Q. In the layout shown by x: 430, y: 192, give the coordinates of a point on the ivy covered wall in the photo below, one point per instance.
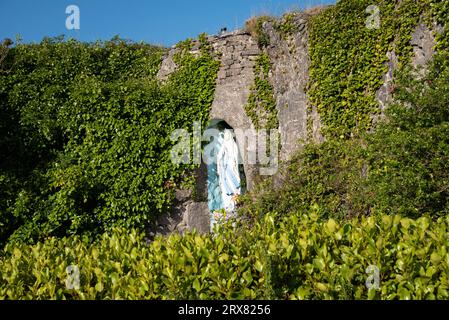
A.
x: 86, y: 126
x: 348, y: 54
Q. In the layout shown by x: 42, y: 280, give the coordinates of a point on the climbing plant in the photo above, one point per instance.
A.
x: 400, y: 168
x: 261, y: 106
x: 86, y: 132
x: 287, y: 25
x: 440, y: 14
x: 254, y: 26
x: 196, y: 76
x: 349, y: 56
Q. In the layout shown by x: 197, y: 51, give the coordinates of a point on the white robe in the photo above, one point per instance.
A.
x: 228, y: 171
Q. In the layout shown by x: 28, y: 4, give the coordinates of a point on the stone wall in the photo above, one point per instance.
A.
x: 238, y: 52
x: 289, y: 76
x: 236, y: 76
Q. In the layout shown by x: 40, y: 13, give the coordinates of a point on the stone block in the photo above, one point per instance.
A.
x: 251, y: 52
x: 227, y: 62
x: 236, y: 72
x: 197, y: 217
x: 221, y: 74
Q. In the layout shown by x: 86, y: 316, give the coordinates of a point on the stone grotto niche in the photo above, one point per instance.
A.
x: 226, y: 179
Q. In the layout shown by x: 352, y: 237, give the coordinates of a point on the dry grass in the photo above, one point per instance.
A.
x: 252, y: 25
x: 315, y: 10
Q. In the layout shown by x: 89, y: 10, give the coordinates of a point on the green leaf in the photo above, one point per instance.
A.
x: 99, y: 287
x: 331, y: 225
x: 259, y: 266
x: 435, y: 258
x: 196, y: 285
x: 319, y: 263
x: 404, y: 294
x: 248, y: 277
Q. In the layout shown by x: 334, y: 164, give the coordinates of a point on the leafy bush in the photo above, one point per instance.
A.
x: 87, y: 129
x: 408, y: 156
x: 292, y: 257
x: 401, y: 168
x: 287, y: 25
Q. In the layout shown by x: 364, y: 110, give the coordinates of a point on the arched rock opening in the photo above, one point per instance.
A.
x: 226, y: 179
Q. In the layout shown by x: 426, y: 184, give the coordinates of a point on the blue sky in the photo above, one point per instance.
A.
x: 163, y: 22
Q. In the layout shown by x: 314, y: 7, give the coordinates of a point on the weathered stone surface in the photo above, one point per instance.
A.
x: 201, y: 183
x: 232, y: 91
x: 197, y: 217
x: 289, y: 77
x: 251, y: 52
x: 383, y: 95
x: 186, y: 215
x: 227, y: 62
x: 172, y: 221
x: 168, y: 65
x: 423, y: 42
x: 221, y: 74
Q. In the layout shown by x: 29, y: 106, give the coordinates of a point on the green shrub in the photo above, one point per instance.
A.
x: 287, y: 25
x: 254, y: 26
x: 290, y: 257
x: 400, y: 168
x: 88, y: 127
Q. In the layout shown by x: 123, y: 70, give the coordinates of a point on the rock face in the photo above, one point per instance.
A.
x: 235, y: 78
x: 383, y: 95
x: 197, y: 217
x: 168, y: 66
x: 289, y: 76
x: 423, y: 43
x: 187, y: 215
x: 238, y: 51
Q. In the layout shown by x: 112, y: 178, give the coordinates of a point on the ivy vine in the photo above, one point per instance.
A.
x: 261, y: 106
x: 86, y: 131
x: 348, y: 59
